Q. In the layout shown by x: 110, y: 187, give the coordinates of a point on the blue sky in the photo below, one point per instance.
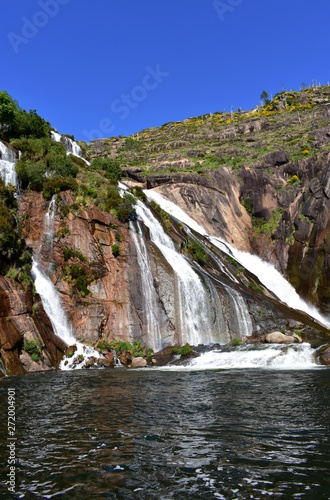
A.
x: 112, y: 67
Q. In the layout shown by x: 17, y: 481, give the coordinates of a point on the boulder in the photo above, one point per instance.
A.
x: 277, y: 158
x: 325, y: 356
x: 138, y: 362
x: 279, y: 338
x: 104, y: 363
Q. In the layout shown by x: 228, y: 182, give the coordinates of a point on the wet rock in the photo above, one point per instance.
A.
x: 253, y: 339
x: 278, y: 338
x: 325, y: 356
x: 104, y: 363
x: 111, y: 358
x: 70, y: 350
x: 138, y: 362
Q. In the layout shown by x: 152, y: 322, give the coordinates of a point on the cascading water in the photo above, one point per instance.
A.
x: 50, y: 297
x: 277, y: 357
x: 71, y: 147
x: 266, y: 273
x: 154, y: 339
x: 8, y: 162
x: 198, y: 318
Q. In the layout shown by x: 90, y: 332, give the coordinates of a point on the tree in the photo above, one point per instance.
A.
x: 264, y: 97
x: 7, y: 111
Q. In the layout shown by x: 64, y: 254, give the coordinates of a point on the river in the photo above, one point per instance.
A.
x: 160, y: 434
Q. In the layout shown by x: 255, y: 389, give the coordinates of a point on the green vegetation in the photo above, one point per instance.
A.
x: 255, y: 288
x: 185, y: 350
x: 236, y: 342
x: 69, y: 253
x: 110, y: 166
x: 261, y: 226
x: 15, y: 259
x: 120, y: 207
x: 116, y: 250
x: 32, y: 348
x: 121, y: 347
x: 79, y: 278
x: 197, y: 251
x: 16, y: 122
x: 165, y: 218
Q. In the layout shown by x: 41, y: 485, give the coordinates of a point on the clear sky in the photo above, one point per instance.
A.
x: 111, y: 67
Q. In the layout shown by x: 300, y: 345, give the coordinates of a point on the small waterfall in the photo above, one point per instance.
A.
x: 149, y: 293
x: 266, y: 272
x: 50, y: 297
x: 46, y: 249
x: 8, y: 162
x: 194, y: 309
x: 71, y: 147
x: 52, y: 304
x: 242, y: 316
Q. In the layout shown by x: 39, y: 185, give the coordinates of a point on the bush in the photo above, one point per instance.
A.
x: 116, y: 250
x: 236, y: 342
x: 58, y: 183
x: 183, y: 351
x: 110, y: 166
x: 197, y: 251
x: 32, y: 348
x: 126, y: 210
x: 119, y: 237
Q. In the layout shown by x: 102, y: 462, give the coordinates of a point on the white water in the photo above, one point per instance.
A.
x: 52, y: 304
x: 279, y: 357
x: 242, y: 314
x: 7, y: 165
x: 71, y: 147
x: 194, y: 307
x: 50, y: 297
x: 154, y: 339
x: 266, y: 272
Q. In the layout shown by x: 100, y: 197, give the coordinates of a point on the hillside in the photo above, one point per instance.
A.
x: 258, y: 178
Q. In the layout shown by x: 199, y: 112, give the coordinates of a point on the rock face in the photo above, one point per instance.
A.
x: 213, y: 202
x: 19, y: 320
x: 106, y: 312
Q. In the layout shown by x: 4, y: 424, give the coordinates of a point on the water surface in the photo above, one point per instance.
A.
x: 165, y: 434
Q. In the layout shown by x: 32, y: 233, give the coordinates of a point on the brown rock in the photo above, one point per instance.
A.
x: 139, y: 362
x: 325, y: 356
x: 278, y: 338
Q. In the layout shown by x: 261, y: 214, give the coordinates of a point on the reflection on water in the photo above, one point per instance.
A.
x: 152, y: 434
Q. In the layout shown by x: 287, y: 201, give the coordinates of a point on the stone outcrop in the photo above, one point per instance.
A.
x: 21, y: 320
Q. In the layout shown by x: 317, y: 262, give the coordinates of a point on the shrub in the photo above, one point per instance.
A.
x: 236, y: 342
x: 119, y: 237
x: 197, y: 251
x: 58, y: 183
x: 183, y: 350
x: 293, y: 180
x: 110, y: 166
x: 116, y: 250
x: 32, y: 348
x: 126, y: 210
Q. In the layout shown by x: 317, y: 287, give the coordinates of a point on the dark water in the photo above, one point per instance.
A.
x: 151, y: 434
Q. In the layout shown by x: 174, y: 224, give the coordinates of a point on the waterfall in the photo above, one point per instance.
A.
x: 50, y: 297
x: 52, y: 304
x: 7, y: 165
x: 149, y: 293
x: 266, y: 272
x: 197, y: 317
x: 274, y: 357
x: 71, y: 147
x: 242, y: 316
